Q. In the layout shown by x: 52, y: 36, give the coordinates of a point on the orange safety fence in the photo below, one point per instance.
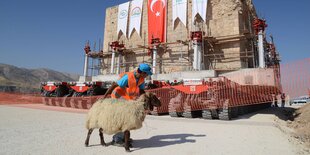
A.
x: 71, y: 102
x: 295, y: 78
x: 20, y: 98
x: 220, y: 92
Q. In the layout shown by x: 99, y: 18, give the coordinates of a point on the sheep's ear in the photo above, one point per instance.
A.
x: 147, y: 97
x: 156, y: 101
x: 151, y: 95
x: 142, y: 97
x: 148, y: 94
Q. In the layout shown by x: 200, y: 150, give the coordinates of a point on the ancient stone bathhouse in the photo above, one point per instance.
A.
x: 228, y: 40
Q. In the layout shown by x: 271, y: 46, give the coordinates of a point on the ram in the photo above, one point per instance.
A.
x: 111, y: 116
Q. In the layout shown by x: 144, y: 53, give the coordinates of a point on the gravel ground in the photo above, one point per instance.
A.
x: 38, y: 129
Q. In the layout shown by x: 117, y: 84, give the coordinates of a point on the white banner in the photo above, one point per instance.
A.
x: 192, y: 82
x: 179, y: 10
x: 199, y: 7
x: 135, y: 16
x: 122, y: 18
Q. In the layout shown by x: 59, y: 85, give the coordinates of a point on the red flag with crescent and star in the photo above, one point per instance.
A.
x: 157, y: 19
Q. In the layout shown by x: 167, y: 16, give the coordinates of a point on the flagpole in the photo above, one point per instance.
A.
x: 166, y: 21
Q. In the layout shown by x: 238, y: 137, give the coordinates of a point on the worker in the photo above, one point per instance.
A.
x: 282, y: 100
x: 129, y: 86
x: 275, y: 104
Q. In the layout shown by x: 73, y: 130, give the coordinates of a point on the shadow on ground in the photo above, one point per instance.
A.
x: 164, y: 140
x: 283, y: 113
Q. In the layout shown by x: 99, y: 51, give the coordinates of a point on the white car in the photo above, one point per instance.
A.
x: 301, y: 100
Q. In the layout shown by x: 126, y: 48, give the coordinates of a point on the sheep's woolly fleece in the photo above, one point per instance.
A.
x: 116, y: 115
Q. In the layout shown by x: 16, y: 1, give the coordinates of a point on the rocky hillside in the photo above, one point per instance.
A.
x: 28, y: 80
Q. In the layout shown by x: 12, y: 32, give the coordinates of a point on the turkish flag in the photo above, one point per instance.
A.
x: 157, y: 19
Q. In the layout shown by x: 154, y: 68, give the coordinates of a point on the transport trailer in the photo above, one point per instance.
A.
x: 226, y: 96
x: 54, y: 89
x: 89, y: 88
x: 216, y: 98
x: 75, y: 89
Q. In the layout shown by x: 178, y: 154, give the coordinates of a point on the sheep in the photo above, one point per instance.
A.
x: 117, y: 115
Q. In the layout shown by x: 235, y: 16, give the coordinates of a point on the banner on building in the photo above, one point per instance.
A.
x: 199, y: 7
x: 122, y: 18
x: 135, y: 16
x: 157, y: 20
x: 179, y: 10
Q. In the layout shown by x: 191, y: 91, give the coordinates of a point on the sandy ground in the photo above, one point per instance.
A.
x: 297, y: 123
x: 38, y: 129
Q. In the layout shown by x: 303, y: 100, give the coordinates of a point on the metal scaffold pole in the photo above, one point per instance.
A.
x: 116, y: 47
x: 154, y: 59
x: 119, y: 61
x: 86, y: 65
x: 87, y: 50
x: 112, y: 61
x: 261, y: 52
x: 259, y: 27
x: 155, y: 42
x: 197, y: 44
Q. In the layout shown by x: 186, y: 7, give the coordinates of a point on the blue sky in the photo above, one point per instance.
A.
x: 52, y: 33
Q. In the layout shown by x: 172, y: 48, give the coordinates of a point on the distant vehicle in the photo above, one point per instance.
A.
x: 300, y: 100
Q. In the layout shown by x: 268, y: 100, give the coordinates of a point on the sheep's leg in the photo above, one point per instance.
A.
x: 88, y: 135
x: 127, y: 136
x: 101, y: 137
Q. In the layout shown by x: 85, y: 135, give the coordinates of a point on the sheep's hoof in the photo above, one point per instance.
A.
x: 104, y: 144
x: 117, y: 144
x: 128, y: 150
x: 86, y: 143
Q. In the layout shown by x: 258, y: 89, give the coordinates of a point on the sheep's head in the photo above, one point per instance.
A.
x: 150, y: 100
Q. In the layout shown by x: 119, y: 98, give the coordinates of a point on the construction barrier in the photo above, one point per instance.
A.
x: 20, y: 98
x: 71, y: 102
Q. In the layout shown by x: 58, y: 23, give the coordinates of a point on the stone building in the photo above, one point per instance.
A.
x: 228, y: 39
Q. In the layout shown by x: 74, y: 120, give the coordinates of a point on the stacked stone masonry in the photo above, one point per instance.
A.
x: 224, y: 47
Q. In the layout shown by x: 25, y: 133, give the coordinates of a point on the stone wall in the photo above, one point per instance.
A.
x: 227, y: 21
x: 252, y: 76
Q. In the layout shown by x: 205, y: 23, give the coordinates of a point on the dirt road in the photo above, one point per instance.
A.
x: 38, y: 129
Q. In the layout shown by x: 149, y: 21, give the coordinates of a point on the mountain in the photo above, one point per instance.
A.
x: 28, y: 80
